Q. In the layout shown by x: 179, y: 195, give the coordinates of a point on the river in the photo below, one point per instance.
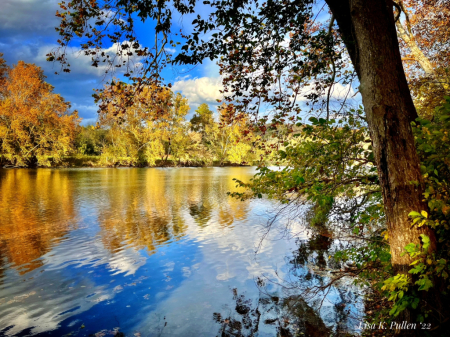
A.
x: 151, y: 252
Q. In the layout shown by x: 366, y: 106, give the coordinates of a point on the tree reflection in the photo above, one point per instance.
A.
x: 136, y: 210
x: 36, y: 211
x: 290, y: 316
x: 144, y: 208
x: 147, y: 208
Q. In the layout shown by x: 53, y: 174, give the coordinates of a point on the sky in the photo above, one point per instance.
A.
x: 27, y: 33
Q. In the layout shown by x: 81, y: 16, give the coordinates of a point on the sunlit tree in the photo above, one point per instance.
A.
x: 36, y: 125
x: 151, y: 128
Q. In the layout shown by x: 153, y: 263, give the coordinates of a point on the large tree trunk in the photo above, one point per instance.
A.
x: 368, y: 30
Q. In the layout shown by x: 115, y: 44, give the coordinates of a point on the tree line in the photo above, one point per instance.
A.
x: 37, y: 128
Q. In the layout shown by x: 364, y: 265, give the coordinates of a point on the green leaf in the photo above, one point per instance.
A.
x: 426, y: 241
x: 413, y: 214
x: 425, y: 283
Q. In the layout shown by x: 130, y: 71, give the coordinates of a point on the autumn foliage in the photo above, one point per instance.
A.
x: 147, y: 130
x: 152, y: 130
x: 35, y: 123
x: 423, y: 28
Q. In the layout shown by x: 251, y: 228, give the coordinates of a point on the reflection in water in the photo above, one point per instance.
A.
x: 36, y: 211
x: 143, y: 251
x: 136, y: 211
x: 290, y: 316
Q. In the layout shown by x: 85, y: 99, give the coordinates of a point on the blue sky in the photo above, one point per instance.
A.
x: 27, y: 33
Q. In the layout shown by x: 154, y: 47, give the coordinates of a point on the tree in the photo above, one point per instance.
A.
x: 258, y: 58
x: 202, y: 118
x: 35, y: 124
x: 3, y: 73
x: 172, y: 125
x: 90, y: 141
x: 422, y: 27
x: 230, y: 139
x: 367, y: 28
x: 150, y: 128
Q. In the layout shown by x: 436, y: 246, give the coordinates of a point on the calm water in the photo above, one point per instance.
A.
x: 146, y: 252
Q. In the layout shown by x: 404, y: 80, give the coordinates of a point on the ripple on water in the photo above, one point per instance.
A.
x: 131, y: 248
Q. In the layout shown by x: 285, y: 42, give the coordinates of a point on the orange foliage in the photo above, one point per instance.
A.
x: 35, y: 124
x: 3, y: 71
x: 424, y: 32
x: 429, y: 21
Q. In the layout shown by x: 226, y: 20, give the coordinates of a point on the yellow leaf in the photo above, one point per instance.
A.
x: 424, y: 214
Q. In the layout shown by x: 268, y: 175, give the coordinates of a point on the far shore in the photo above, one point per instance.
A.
x: 94, y: 162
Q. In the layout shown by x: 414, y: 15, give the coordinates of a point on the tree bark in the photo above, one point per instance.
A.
x: 368, y: 30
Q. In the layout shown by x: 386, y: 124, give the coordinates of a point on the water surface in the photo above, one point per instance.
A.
x: 144, y: 252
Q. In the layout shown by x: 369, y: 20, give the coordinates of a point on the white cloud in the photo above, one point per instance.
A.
x: 82, y: 64
x: 171, y: 50
x: 339, y: 91
x: 200, y: 90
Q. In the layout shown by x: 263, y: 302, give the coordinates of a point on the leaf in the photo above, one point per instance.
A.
x: 425, y: 241
x: 424, y: 214
x: 413, y: 214
x: 424, y: 283
x: 410, y: 247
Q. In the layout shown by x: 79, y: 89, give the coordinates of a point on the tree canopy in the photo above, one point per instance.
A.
x: 36, y: 125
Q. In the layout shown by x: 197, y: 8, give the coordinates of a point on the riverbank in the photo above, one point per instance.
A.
x: 82, y: 161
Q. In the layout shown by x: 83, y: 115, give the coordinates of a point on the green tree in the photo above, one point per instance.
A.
x: 90, y: 140
x: 202, y: 119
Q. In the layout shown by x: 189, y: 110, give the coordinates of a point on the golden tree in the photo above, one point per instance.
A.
x: 35, y: 123
x: 231, y: 138
x: 423, y: 28
x: 151, y: 126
